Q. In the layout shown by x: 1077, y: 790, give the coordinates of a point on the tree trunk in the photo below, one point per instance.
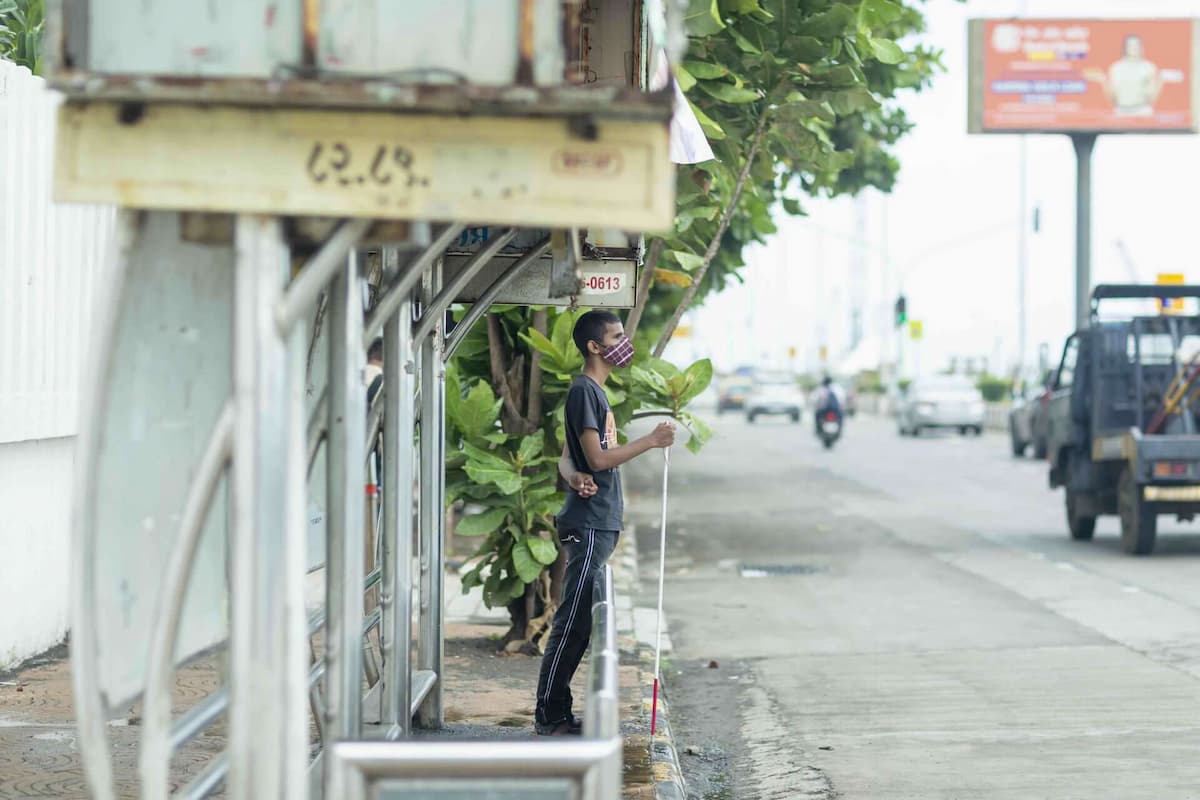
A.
x: 643, y: 290
x: 715, y: 245
x: 498, y: 361
x: 533, y: 414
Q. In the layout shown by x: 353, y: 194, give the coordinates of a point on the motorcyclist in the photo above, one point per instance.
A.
x: 829, y: 401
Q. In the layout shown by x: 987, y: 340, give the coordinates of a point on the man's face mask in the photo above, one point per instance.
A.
x: 620, y: 354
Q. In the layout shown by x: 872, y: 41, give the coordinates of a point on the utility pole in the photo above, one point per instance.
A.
x: 1023, y: 238
x: 1023, y: 255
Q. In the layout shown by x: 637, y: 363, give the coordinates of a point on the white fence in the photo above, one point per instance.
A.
x: 51, y: 257
x: 52, y: 260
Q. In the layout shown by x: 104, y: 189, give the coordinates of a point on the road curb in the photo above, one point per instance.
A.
x: 663, y: 754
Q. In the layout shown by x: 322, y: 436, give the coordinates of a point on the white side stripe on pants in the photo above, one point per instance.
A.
x: 574, y: 607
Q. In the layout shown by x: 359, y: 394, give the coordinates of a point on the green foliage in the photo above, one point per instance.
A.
x: 509, y: 476
x: 994, y: 389
x: 870, y: 382
x: 823, y: 76
x: 22, y: 23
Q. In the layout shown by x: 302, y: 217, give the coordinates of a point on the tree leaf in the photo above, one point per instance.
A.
x: 481, y: 524
x: 505, y: 480
x: 684, y: 77
x: 561, y: 335
x: 705, y: 70
x: 527, y: 567
x: 689, y: 261
x: 697, y: 376
x: 739, y: 6
x: 531, y: 447
x: 744, y: 44
x: 727, y: 93
x: 711, y: 129
x: 887, y: 51
x: 476, y: 414
x: 703, y: 18
x: 514, y: 587
x: 699, y: 429
x: 485, y: 458
x: 671, y: 277
x: 792, y: 206
x: 544, y: 551
x: 535, y: 339
x: 838, y: 20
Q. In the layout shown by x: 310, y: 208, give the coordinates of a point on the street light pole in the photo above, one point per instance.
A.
x: 1023, y: 255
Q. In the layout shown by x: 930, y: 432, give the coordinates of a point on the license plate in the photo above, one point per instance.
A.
x: 830, y: 427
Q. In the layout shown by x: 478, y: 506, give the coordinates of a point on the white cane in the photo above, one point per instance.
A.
x: 662, y: 572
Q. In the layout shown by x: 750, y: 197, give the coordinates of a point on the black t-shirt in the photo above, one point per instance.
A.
x: 587, y: 407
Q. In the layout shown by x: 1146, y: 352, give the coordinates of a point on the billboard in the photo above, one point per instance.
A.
x: 1083, y: 75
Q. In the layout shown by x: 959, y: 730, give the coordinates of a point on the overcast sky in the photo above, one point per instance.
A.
x: 949, y: 232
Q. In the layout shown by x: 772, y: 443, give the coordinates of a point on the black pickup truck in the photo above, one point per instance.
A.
x: 1122, y: 434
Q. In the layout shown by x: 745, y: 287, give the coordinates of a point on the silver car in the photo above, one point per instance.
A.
x: 942, y: 401
x: 775, y: 393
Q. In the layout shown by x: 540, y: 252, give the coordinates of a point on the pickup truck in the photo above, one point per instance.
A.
x: 1122, y: 430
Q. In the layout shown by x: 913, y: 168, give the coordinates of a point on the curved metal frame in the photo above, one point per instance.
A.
x: 475, y: 265
x: 89, y: 705
x: 315, y: 276
x: 480, y: 306
x: 155, y: 757
x: 407, y: 281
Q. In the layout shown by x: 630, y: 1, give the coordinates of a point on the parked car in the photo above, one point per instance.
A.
x: 775, y: 394
x: 732, y: 394
x: 941, y: 401
x: 1028, y: 418
x: 851, y: 402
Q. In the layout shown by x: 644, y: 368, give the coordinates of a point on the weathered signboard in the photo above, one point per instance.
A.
x: 531, y: 172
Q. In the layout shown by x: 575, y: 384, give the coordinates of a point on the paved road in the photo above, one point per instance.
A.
x: 945, y: 638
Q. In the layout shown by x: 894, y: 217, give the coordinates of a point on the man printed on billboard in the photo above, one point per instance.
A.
x: 1132, y: 83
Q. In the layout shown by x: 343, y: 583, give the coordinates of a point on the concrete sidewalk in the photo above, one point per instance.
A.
x: 489, y: 695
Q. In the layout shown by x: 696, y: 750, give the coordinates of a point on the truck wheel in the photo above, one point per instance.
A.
x: 1082, y: 526
x: 1139, y: 522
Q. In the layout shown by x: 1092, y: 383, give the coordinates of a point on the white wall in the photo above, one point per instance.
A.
x: 35, y: 511
x: 52, y: 258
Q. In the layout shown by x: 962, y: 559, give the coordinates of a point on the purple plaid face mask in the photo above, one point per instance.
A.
x: 620, y: 354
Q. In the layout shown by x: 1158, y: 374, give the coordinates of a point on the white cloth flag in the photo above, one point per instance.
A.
x: 688, y: 144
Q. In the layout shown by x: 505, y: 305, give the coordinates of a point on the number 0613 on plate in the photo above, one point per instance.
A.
x: 500, y: 170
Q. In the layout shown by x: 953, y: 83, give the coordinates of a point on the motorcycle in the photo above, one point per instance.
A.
x: 829, y: 428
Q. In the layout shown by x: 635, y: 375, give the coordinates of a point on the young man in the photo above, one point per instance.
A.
x: 590, y: 521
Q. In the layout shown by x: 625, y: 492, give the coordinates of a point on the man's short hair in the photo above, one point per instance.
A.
x: 591, y: 327
x: 376, y: 351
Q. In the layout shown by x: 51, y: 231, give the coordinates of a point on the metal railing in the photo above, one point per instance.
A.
x: 588, y: 768
x: 265, y: 459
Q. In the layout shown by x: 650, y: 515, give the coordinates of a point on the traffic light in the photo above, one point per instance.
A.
x: 901, y: 311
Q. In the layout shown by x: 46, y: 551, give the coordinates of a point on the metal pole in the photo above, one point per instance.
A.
x: 268, y: 714
x: 1022, y: 254
x: 433, y: 388
x: 345, y: 454
x: 1084, y: 144
x: 399, y: 390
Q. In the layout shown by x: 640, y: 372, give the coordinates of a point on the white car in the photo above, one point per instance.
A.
x: 775, y: 395
x: 942, y: 401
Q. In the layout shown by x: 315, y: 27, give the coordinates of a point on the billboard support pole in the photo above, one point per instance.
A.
x: 1084, y: 144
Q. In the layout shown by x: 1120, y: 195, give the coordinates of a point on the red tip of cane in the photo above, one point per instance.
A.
x: 371, y: 488
x: 654, y: 709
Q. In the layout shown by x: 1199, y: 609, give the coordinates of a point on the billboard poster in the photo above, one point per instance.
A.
x: 1064, y: 75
